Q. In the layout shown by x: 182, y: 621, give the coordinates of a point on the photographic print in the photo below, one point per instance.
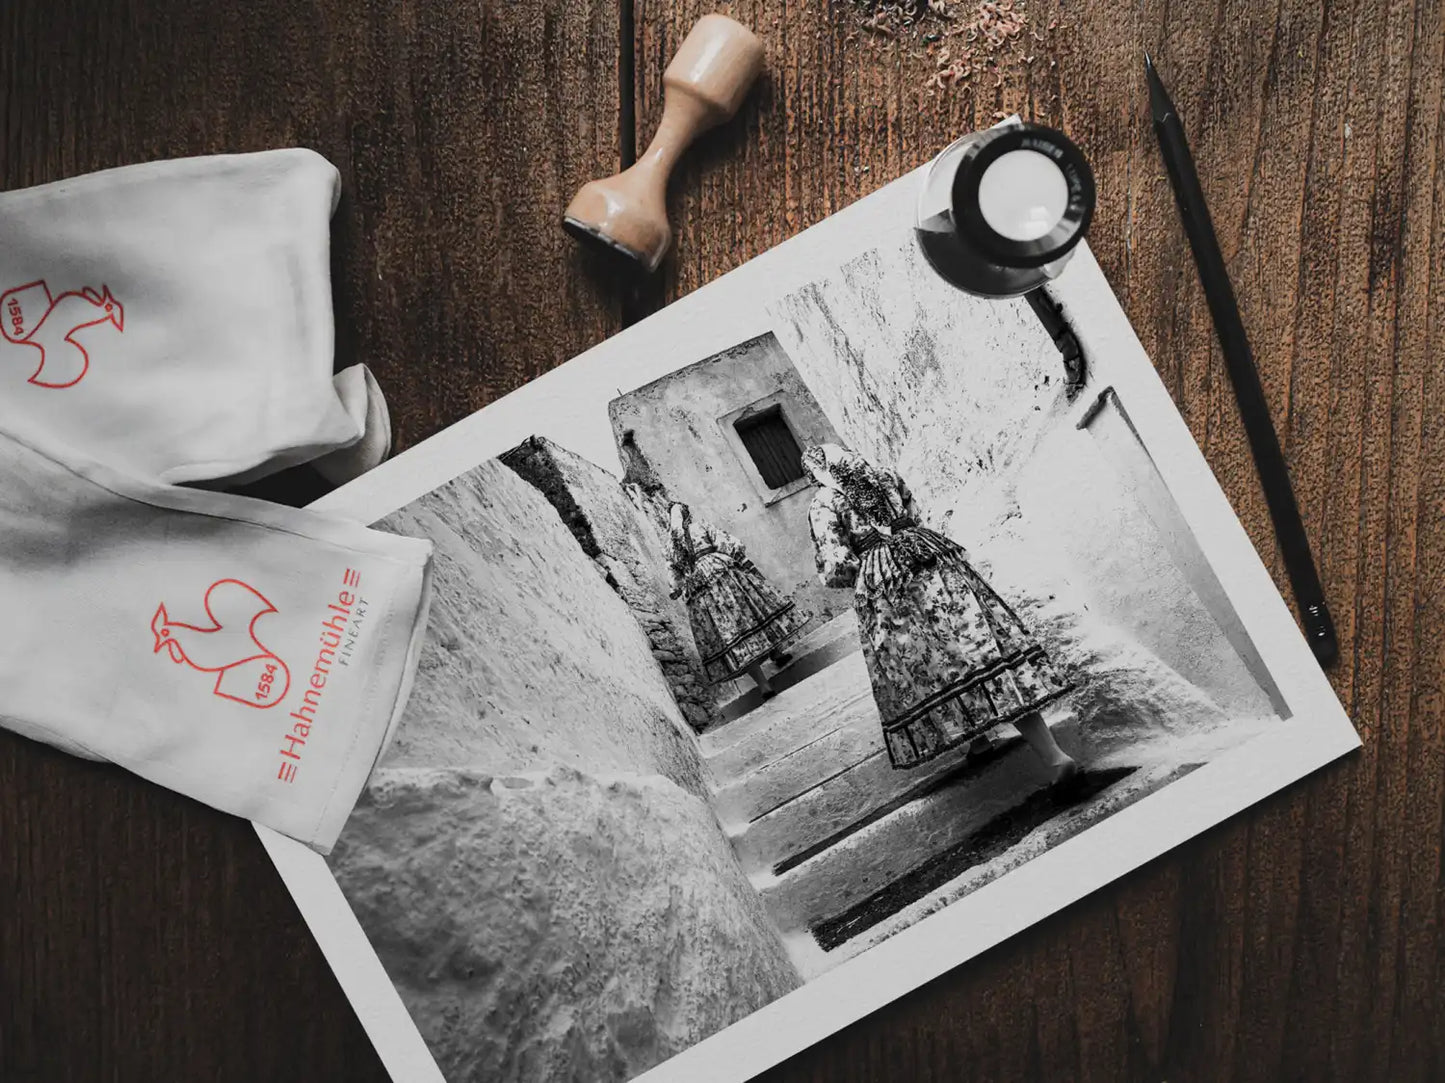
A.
x: 794, y: 647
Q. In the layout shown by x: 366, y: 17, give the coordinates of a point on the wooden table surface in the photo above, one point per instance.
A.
x: 144, y: 937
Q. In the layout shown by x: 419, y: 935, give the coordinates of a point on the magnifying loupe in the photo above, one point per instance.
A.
x: 1002, y: 209
x: 1001, y: 212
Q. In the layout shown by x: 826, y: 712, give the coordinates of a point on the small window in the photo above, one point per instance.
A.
x: 772, y: 447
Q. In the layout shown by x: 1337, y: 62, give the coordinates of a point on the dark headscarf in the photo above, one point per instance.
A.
x: 868, y: 488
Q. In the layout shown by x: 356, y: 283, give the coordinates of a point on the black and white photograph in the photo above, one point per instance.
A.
x: 840, y: 625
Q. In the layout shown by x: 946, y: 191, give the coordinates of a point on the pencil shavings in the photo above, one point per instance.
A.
x: 962, y: 41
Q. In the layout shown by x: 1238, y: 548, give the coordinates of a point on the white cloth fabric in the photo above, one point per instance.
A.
x: 250, y: 655
x: 361, y: 395
x: 172, y: 323
x: 175, y: 318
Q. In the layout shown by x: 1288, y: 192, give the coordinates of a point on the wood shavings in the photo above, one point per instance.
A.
x: 965, y: 42
x: 987, y: 34
x: 892, y: 18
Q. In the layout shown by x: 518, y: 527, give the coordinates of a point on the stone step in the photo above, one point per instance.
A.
x: 1045, y: 817
x: 814, y: 655
x: 814, y: 765
x: 861, y: 862
x: 830, y: 633
x: 851, y: 798
x: 838, y: 697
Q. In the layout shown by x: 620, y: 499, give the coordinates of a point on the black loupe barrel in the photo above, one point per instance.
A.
x: 1002, y: 209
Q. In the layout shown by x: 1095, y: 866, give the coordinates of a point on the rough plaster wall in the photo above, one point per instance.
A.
x: 679, y: 443
x: 1101, y: 538
x: 556, y: 925
x: 999, y: 466
x: 530, y: 659
x: 525, y: 854
x: 624, y: 541
x: 948, y: 389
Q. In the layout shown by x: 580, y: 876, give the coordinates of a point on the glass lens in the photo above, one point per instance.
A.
x: 1023, y: 195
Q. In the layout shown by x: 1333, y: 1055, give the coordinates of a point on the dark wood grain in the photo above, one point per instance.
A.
x: 144, y: 937
x: 1300, y: 941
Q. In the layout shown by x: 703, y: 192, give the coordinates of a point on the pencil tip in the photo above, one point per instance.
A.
x: 1159, y: 104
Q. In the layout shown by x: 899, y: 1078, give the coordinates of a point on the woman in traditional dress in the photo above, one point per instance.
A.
x: 738, y: 619
x: 948, y: 659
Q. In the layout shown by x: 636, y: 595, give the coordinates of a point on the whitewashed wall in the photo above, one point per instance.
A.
x: 964, y: 397
x: 534, y: 860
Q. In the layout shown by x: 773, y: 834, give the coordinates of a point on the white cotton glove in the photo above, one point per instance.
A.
x: 362, y: 398
x: 174, y: 319
x: 252, y: 656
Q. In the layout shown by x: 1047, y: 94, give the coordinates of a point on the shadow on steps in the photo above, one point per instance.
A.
x: 795, y: 672
x: 990, y: 840
x: 965, y: 770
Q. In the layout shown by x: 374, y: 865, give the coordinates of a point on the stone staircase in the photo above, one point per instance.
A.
x: 819, y: 819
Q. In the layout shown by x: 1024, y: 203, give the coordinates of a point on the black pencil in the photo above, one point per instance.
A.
x: 1268, y: 459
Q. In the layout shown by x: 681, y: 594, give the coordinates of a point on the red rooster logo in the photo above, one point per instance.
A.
x: 245, y: 670
x: 29, y: 316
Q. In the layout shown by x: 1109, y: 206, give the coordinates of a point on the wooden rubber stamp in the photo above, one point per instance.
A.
x: 703, y: 86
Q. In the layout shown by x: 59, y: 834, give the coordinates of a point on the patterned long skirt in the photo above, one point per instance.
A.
x: 948, y: 658
x: 737, y: 618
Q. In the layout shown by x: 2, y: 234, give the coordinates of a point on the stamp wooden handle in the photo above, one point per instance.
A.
x: 703, y: 86
x: 716, y: 64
